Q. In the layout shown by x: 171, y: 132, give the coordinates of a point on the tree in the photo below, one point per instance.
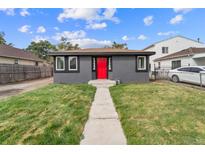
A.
x: 119, y: 46
x: 66, y: 45
x: 3, y: 41
x: 41, y: 48
x: 107, y: 46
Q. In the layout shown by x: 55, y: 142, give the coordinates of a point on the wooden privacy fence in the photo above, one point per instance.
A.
x: 14, y: 72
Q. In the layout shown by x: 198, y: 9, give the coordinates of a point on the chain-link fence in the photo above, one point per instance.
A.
x: 163, y: 74
x: 13, y: 72
x: 160, y: 74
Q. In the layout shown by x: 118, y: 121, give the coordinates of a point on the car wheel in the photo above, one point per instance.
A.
x: 175, y: 78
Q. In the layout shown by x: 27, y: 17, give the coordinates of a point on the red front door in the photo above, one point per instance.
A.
x: 101, y: 68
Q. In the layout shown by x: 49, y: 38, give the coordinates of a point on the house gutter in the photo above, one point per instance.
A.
x: 100, y: 53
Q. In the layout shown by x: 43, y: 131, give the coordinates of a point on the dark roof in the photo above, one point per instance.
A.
x: 182, y: 53
x: 102, y: 51
x: 11, y: 52
x: 169, y: 39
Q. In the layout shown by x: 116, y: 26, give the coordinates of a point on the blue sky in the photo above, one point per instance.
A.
x: 99, y: 27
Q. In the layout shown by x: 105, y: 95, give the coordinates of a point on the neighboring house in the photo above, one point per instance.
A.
x: 78, y: 66
x: 11, y: 55
x: 169, y: 46
x: 186, y: 57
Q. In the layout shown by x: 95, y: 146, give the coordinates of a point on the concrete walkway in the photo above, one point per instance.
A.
x: 103, y: 126
x: 13, y: 89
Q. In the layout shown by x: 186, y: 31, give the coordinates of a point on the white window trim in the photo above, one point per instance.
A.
x: 145, y: 63
x: 57, y: 69
x: 109, y: 63
x: 94, y: 63
x: 69, y: 58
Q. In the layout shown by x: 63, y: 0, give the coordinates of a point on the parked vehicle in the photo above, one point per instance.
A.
x: 189, y: 74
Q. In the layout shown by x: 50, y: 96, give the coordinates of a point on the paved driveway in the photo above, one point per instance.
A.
x: 16, y: 88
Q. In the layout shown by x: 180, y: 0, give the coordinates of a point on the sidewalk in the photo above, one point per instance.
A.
x: 103, y: 126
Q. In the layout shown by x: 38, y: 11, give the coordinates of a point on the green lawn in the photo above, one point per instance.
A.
x: 55, y: 114
x: 161, y: 113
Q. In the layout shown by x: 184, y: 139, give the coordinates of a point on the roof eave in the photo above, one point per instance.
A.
x: 99, y: 53
x: 21, y: 58
x: 171, y: 38
x: 148, y: 47
x: 174, y: 57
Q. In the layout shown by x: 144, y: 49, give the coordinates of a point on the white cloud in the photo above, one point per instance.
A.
x: 182, y: 10
x: 88, y: 14
x: 24, y: 29
x: 125, y: 38
x: 40, y: 38
x: 24, y: 12
x: 41, y: 29
x: 176, y: 20
x: 142, y: 37
x: 56, y: 28
x: 78, y: 13
x: 8, y: 11
x: 70, y: 35
x: 79, y: 37
x: 148, y: 20
x: 166, y: 33
x: 109, y: 13
x: 96, y: 25
x: 91, y: 43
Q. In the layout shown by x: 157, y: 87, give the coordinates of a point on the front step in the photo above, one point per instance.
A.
x: 102, y: 83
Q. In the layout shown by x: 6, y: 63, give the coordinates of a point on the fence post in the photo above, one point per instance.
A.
x: 155, y: 74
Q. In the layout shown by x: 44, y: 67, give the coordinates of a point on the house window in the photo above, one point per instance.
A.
x: 73, y: 63
x: 159, y: 65
x: 16, y: 61
x: 60, y: 63
x: 36, y: 63
x: 110, y: 63
x: 164, y: 49
x: 176, y: 64
x: 93, y: 63
x: 141, y: 63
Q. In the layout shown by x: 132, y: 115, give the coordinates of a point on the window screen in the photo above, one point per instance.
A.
x: 176, y: 64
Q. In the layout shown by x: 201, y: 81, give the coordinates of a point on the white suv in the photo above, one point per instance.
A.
x: 190, y: 74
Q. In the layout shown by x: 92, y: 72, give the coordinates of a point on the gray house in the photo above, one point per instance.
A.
x: 80, y: 66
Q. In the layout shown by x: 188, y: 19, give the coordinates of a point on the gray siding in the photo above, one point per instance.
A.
x: 124, y: 69
x: 93, y: 75
x: 83, y: 76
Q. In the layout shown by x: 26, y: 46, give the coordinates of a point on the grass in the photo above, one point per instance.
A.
x: 161, y: 113
x: 55, y: 114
